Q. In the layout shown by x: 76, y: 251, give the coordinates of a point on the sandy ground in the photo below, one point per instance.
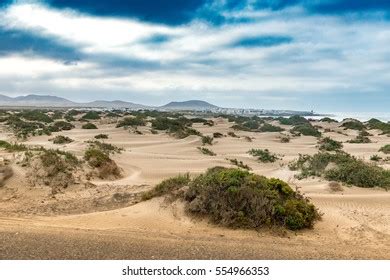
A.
x: 105, y: 221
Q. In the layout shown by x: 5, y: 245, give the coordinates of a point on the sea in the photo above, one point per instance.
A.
x: 361, y: 116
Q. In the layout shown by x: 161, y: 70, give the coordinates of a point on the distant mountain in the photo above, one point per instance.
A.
x: 33, y: 100
x: 189, y: 105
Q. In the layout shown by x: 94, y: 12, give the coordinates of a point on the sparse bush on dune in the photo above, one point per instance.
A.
x: 217, y: 135
x: 101, y: 136
x: 206, y: 151
x: 305, y: 129
x: 328, y: 120
x: 377, y: 124
x: 361, y: 138
x: 263, y: 155
x: 342, y: 167
x: 207, y: 140
x: 61, y: 125
x: 180, y: 127
x: 60, y: 139
x: 52, y: 168
x: 89, y: 126
x: 99, y: 159
x: 239, y: 164
x: 14, y: 147
x: 354, y: 125
x: 270, y: 128
x: 385, y: 149
x: 335, y: 187
x: 35, y: 115
x: 6, y: 172
x: 137, y: 121
x: 105, y: 147
x: 238, y: 199
x: 232, y: 134
x: 285, y: 139
x: 375, y: 158
x: 328, y: 144
x: 293, y: 120
x: 92, y: 115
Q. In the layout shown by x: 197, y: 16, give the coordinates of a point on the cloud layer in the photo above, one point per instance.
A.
x: 263, y: 54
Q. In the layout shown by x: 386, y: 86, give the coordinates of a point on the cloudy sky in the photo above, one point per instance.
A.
x: 325, y: 55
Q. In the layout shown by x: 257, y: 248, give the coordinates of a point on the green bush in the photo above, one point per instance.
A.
x: 263, y: 155
x: 107, y: 148
x: 305, y: 129
x: 285, y: 139
x: 236, y: 198
x: 353, y: 124
x: 270, y: 128
x: 206, y: 151
x: 239, y: 164
x: 328, y: 144
x: 207, y: 140
x: 167, y: 186
x: 377, y: 124
x: 60, y: 139
x: 328, y: 120
x: 345, y: 168
x: 61, y: 125
x: 232, y: 134
x: 137, y: 121
x: 12, y: 147
x: 96, y: 157
x: 91, y: 115
x: 361, y: 138
x: 101, y: 136
x: 89, y: 126
x: 35, y: 115
x: 293, y: 120
x: 217, y: 135
x: 385, y: 149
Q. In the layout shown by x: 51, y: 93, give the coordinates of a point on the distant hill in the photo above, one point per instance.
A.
x: 189, y: 105
x: 33, y: 100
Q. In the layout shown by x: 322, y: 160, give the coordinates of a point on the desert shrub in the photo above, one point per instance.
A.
x: 198, y: 120
x: 91, y: 115
x: 360, y: 139
x: 270, y: 128
x: 353, y: 124
x: 209, y: 123
x: 101, y: 136
x: 89, y: 126
x: 207, y: 140
x: 236, y: 198
x: 14, y: 147
x: 305, y: 129
x: 61, y: 125
x: 232, y: 134
x: 137, y: 121
x: 168, y: 186
x: 263, y: 155
x: 96, y: 157
x: 293, y: 120
x: 57, y: 115
x: 217, y: 135
x: 248, y: 139
x: 239, y: 164
x: 60, y: 139
x: 342, y: 167
x: 180, y: 127
x: 335, y: 187
x: 285, y: 139
x: 206, y: 151
x: 385, y: 149
x: 377, y: 124
x: 6, y: 172
x: 328, y: 144
x: 105, y: 147
x: 328, y: 120
x: 375, y: 158
x: 52, y: 168
x: 153, y: 131
x: 35, y: 115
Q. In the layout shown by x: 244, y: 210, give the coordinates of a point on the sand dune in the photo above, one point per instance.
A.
x: 356, y: 221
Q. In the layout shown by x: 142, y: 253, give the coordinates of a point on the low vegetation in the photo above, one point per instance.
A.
x: 263, y: 155
x: 207, y: 140
x: 92, y: 115
x: 101, y: 136
x: 206, y: 151
x: 238, y: 199
x: 361, y: 138
x: 328, y: 120
x: 353, y: 124
x: 60, y: 139
x: 342, y: 167
x: 134, y: 122
x: 217, y: 135
x: 305, y: 129
x: 14, y: 147
x: 101, y: 161
x: 239, y: 164
x: 328, y: 144
x: 89, y: 126
x: 385, y: 149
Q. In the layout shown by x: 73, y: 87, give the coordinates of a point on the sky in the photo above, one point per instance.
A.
x: 326, y: 56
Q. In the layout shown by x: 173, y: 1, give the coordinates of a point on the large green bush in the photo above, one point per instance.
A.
x: 328, y: 144
x: 263, y: 155
x: 305, y: 129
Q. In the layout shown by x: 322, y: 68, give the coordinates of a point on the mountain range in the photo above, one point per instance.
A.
x: 33, y: 100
